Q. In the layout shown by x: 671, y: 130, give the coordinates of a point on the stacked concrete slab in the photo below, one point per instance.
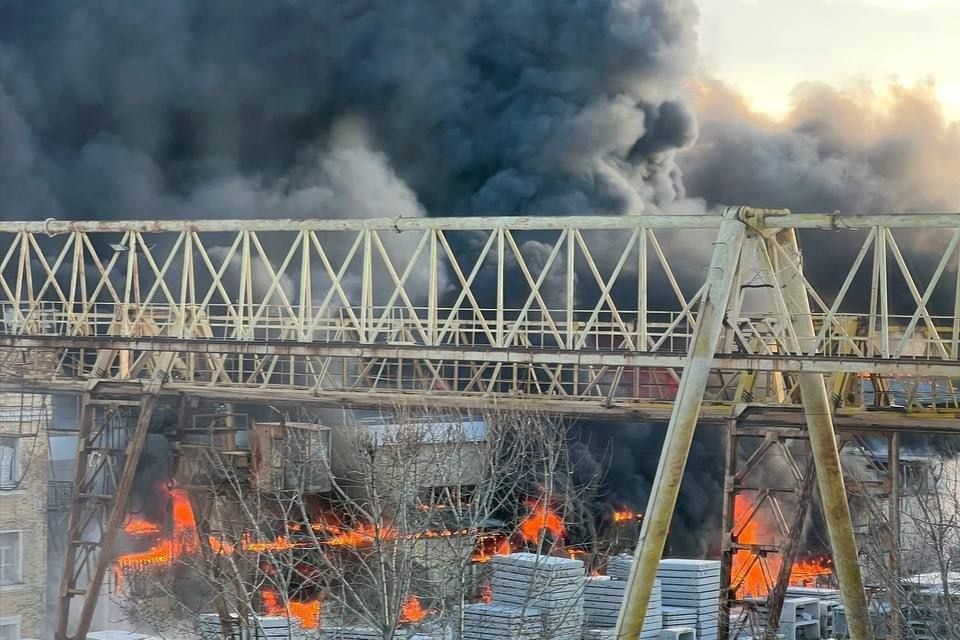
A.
x: 799, y: 617
x: 209, y: 628
x: 492, y: 621
x: 829, y: 603
x: 679, y: 616
x: 552, y: 586
x: 618, y: 567
x: 693, y: 584
x: 678, y: 633
x: 603, y: 596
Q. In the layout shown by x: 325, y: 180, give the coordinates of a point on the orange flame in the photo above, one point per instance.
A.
x: 140, y: 526
x: 183, y: 541
x: 412, y: 610
x: 620, y: 517
x: 803, y: 572
x: 806, y: 570
x: 282, y: 543
x: 307, y: 612
x: 362, y: 536
x: 541, y: 520
x: 492, y: 544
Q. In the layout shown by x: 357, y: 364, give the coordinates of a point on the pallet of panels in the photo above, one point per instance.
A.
x: 693, y: 584
x: 552, y: 585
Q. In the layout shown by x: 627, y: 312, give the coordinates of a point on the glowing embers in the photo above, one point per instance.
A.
x: 624, y: 516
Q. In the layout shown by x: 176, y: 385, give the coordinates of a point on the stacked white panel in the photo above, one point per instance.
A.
x: 553, y: 586
x: 491, y: 621
x: 693, y: 584
x: 603, y: 597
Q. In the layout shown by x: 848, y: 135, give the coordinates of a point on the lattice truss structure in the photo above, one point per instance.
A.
x: 580, y: 314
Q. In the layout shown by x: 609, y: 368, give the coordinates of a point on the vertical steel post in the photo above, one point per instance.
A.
x: 117, y: 512
x: 788, y: 554
x: 893, y: 474
x: 823, y: 443
x: 728, y: 521
x: 683, y: 421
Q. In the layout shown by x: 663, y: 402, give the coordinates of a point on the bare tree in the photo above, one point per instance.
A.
x: 923, y: 584
x: 377, y: 523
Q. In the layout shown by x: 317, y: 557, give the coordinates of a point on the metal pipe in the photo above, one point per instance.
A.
x: 823, y: 443
x: 775, y: 219
x: 683, y: 421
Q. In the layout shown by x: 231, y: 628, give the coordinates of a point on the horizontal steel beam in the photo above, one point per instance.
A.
x: 775, y: 220
x: 903, y: 366
x: 856, y: 420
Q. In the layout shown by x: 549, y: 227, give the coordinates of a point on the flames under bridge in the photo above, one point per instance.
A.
x: 825, y: 324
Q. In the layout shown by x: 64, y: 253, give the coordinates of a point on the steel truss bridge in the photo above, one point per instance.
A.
x: 679, y: 318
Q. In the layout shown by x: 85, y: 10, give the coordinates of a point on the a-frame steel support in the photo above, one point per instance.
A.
x: 779, y: 258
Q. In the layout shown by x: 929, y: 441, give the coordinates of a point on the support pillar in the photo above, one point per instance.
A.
x: 683, y: 421
x: 823, y: 442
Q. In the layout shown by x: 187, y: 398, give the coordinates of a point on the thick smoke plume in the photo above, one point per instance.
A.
x: 215, y: 109
x: 862, y: 150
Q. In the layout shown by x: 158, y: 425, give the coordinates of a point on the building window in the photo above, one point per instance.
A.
x: 11, y: 560
x: 10, y: 628
x: 9, y: 461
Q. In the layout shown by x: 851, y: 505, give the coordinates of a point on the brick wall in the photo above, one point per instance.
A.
x: 24, y: 508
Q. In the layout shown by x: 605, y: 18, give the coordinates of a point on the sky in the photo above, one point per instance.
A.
x: 764, y: 48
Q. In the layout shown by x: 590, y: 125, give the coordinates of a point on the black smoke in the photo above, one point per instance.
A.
x: 180, y: 109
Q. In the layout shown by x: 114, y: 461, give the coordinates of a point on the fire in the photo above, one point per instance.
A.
x: 282, y: 543
x: 541, y: 519
x: 183, y: 541
x: 620, y: 517
x: 804, y: 571
x: 754, y: 583
x: 412, y: 610
x: 307, y: 612
x: 492, y: 544
x: 362, y: 536
x: 140, y: 526
x: 158, y: 555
